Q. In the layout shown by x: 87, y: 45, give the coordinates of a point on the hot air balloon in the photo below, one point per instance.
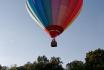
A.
x: 54, y: 16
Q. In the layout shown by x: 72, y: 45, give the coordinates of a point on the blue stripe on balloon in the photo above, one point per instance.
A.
x: 31, y: 3
x: 38, y: 9
x: 47, y: 10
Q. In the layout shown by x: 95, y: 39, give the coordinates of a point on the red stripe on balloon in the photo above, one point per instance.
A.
x: 73, y: 14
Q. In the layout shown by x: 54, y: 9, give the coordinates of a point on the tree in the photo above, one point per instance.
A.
x: 45, y: 64
x: 55, y: 63
x: 41, y: 63
x: 95, y: 60
x: 75, y: 65
x: 56, y: 60
x: 0, y: 67
x: 14, y: 67
x: 21, y: 68
x: 4, y: 68
x: 28, y: 66
x: 42, y: 59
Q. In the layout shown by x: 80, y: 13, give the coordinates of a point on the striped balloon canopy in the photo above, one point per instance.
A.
x: 54, y: 16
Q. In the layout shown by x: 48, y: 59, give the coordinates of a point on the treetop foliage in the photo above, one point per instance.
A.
x: 94, y: 60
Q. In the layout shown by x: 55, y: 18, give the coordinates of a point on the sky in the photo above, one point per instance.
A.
x: 21, y: 40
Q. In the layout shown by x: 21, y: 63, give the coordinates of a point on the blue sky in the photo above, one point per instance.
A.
x: 21, y: 40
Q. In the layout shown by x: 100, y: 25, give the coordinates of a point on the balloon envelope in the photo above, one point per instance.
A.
x: 54, y: 16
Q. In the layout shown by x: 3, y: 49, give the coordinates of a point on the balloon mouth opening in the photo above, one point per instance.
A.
x: 54, y: 30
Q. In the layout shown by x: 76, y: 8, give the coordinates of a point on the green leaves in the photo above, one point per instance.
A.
x: 94, y: 61
x: 75, y: 65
